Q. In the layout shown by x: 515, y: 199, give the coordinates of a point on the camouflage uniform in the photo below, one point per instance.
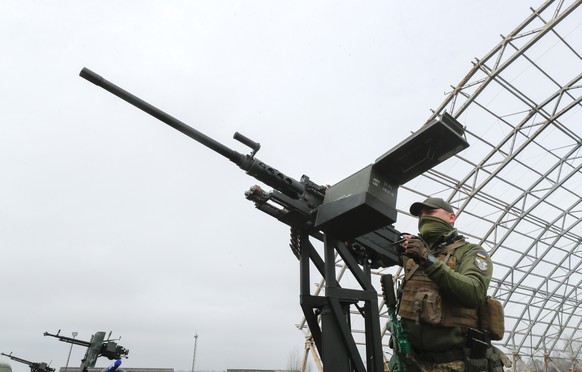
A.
x: 459, y: 273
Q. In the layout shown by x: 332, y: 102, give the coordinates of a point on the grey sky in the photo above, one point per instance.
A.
x: 112, y: 221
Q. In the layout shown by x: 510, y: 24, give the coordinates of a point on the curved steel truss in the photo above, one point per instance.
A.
x: 517, y: 187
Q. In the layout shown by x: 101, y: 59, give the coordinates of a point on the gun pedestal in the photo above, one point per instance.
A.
x: 335, y: 355
x: 334, y: 340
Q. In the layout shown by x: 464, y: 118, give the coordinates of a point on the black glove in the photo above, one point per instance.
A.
x: 417, y: 250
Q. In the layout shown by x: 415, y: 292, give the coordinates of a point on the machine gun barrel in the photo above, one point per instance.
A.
x: 16, y: 359
x: 161, y: 115
x: 248, y: 163
x: 69, y: 340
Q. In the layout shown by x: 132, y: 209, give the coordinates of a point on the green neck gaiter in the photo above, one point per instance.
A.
x: 434, y: 230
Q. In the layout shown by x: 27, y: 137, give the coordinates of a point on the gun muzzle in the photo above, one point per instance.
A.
x: 91, y: 76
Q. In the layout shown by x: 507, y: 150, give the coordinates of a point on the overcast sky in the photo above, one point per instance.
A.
x: 112, y: 221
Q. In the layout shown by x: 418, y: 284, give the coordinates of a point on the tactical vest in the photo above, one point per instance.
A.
x: 421, y: 300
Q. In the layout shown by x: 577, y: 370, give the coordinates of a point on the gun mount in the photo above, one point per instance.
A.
x: 96, y: 348
x: 34, y: 366
x: 354, y: 218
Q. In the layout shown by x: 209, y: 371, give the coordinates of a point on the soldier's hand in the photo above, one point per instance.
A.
x: 417, y: 250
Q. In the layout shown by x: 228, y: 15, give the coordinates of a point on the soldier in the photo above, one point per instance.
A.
x: 444, y: 288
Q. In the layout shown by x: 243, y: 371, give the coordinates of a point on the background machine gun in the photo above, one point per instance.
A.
x: 353, y: 219
x: 96, y: 347
x: 34, y: 366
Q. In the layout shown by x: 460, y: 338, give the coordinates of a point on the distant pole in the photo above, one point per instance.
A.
x: 71, y: 349
x: 194, y: 356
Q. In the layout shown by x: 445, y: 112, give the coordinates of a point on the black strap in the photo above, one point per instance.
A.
x: 443, y: 356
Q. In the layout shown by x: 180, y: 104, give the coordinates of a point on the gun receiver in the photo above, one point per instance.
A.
x: 34, y: 366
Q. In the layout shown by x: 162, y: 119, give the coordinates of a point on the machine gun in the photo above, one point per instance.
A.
x: 96, y: 347
x: 353, y: 218
x: 34, y: 366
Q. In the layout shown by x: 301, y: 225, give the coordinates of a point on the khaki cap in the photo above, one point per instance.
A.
x: 430, y: 203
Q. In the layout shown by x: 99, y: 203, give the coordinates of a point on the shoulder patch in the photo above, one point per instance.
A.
x: 481, y: 262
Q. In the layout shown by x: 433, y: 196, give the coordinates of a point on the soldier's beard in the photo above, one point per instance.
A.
x: 435, y: 230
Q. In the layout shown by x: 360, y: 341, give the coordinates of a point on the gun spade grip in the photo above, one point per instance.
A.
x: 91, y: 76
